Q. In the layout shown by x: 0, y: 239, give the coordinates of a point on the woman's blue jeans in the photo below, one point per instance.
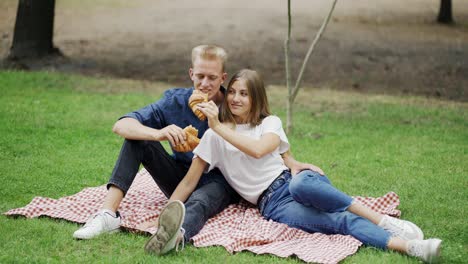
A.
x: 309, y: 202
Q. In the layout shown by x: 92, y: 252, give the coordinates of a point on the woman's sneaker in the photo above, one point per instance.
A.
x: 104, y: 221
x: 169, y: 233
x: 401, y: 228
x: 427, y: 250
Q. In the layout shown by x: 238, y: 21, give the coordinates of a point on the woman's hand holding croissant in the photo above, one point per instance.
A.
x: 211, y: 111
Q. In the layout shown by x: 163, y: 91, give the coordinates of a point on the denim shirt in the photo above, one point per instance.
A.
x: 172, y: 108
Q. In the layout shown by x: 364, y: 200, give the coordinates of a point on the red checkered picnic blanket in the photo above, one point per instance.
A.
x: 239, y: 227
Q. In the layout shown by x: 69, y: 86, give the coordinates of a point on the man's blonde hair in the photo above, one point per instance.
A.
x: 209, y: 52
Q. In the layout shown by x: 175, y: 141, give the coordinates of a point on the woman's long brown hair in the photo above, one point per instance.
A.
x: 259, y: 101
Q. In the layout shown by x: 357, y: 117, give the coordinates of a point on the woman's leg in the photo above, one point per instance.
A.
x: 365, y: 212
x: 282, y: 208
x: 312, y: 189
x: 349, y: 219
x: 397, y: 244
x: 427, y: 250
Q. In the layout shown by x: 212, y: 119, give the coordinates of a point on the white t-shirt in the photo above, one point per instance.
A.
x: 247, y: 175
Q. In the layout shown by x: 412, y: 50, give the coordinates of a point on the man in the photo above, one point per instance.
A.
x: 165, y: 119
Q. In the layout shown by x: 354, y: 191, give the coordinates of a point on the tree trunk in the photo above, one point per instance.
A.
x: 445, y: 12
x: 34, y: 29
x: 292, y: 91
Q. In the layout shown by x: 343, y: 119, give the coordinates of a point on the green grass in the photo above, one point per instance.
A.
x: 56, y: 139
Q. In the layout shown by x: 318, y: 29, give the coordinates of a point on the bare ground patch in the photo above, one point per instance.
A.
x: 385, y: 47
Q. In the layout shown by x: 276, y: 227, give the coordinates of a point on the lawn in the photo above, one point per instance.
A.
x: 56, y: 139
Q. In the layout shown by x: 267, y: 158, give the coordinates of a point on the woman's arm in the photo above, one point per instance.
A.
x: 296, y: 166
x: 256, y: 148
x: 190, y: 181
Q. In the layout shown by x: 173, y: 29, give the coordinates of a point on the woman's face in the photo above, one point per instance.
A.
x: 238, y: 100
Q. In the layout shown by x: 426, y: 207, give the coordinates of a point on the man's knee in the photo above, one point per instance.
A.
x: 200, y: 205
x: 212, y: 196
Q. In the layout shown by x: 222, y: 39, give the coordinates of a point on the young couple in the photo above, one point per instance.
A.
x: 249, y: 148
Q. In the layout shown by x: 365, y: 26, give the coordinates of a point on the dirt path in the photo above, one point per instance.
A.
x: 380, y: 47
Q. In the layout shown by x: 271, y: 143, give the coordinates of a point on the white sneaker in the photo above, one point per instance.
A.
x: 427, y: 250
x: 401, y: 228
x: 104, y: 221
x: 170, y: 233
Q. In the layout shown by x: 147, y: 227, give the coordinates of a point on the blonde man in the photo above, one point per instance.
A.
x: 164, y: 120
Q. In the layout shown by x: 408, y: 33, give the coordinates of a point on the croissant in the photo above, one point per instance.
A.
x: 196, y: 98
x: 191, y: 142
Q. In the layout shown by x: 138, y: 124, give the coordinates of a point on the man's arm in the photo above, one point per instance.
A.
x: 131, y: 128
x: 296, y: 166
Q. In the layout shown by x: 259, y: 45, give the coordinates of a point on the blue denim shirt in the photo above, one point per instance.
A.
x: 172, y: 108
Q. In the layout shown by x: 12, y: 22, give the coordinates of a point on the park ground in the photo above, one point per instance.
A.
x: 383, y: 47
x: 57, y: 140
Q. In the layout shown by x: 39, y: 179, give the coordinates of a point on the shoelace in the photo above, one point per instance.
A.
x: 163, y: 237
x: 92, y: 223
x: 180, y: 240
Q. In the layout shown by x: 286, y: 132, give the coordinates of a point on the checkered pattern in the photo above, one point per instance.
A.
x: 239, y: 227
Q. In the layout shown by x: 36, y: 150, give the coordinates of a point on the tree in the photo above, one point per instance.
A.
x: 33, y: 31
x: 292, y: 92
x: 445, y: 12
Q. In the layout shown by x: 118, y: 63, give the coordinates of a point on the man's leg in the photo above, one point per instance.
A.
x: 165, y: 171
x: 113, y: 199
x: 169, y: 233
x: 210, y: 198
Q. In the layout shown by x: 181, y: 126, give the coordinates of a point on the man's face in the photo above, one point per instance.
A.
x: 207, y: 76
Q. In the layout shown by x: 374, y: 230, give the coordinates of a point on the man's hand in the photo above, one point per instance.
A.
x: 173, y: 134
x: 131, y: 128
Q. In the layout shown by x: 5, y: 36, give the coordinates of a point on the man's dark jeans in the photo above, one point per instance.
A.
x: 210, y: 197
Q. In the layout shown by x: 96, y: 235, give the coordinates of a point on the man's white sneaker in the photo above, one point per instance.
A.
x: 401, y: 228
x: 427, y: 250
x: 170, y: 232
x: 104, y: 221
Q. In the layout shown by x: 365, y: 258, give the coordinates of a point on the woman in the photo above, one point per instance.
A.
x: 246, y: 145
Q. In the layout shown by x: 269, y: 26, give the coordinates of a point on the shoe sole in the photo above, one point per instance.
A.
x: 170, y: 244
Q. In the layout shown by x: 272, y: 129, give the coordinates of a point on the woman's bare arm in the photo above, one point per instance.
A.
x: 190, y: 181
